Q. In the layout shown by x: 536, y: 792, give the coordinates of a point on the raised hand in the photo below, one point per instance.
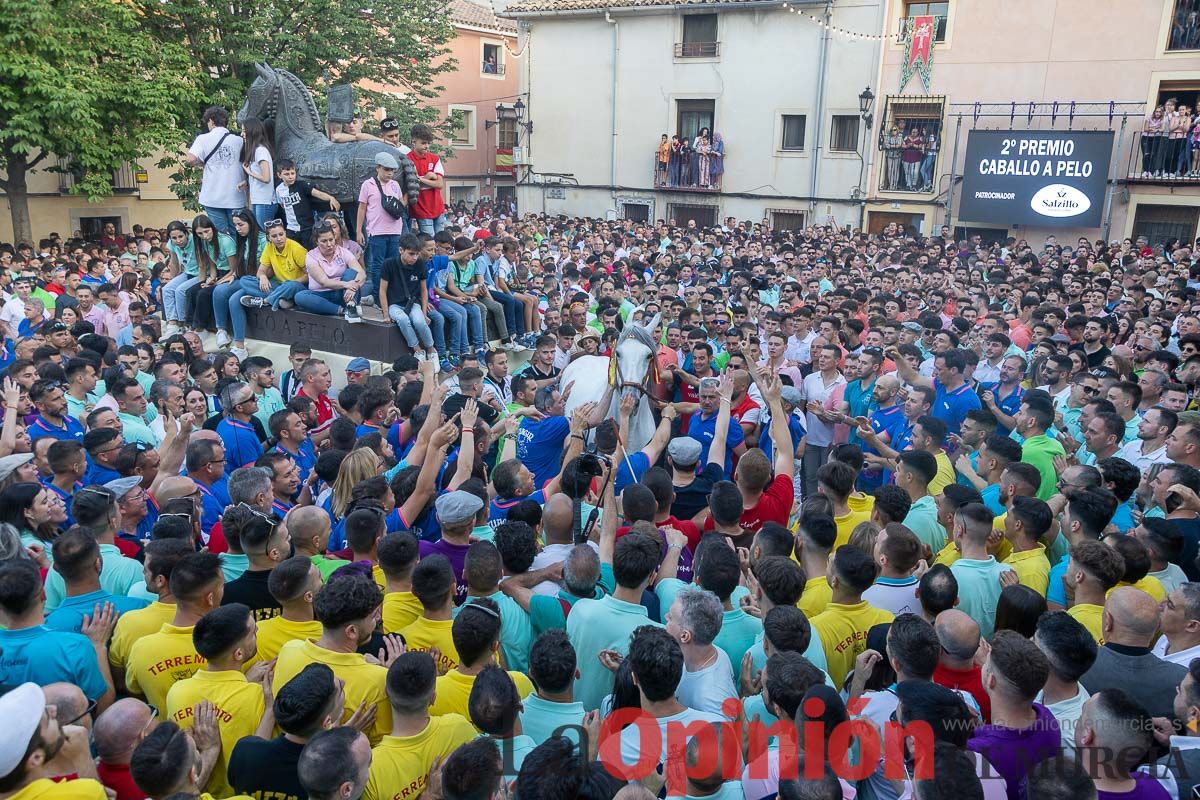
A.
x: 363, y: 718
x: 98, y: 626
x: 470, y: 412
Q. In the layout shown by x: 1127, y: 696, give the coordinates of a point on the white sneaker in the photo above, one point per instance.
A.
x: 352, y: 315
x: 170, y: 329
x: 419, y: 355
x: 285, y: 304
x: 223, y: 339
x: 433, y: 356
x: 239, y: 353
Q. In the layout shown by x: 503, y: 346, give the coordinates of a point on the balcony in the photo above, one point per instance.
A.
x: 689, y: 171
x: 697, y: 49
x: 491, y: 68
x: 123, y: 180
x: 1160, y: 160
x: 908, y: 169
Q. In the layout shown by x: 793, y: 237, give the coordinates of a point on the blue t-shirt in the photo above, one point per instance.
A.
x: 704, y: 430
x: 795, y: 429
x: 1055, y: 591
x: 213, y: 501
x: 71, y: 611
x: 44, y: 656
x: 540, y: 446
x: 498, y: 509
x: 41, y: 428
x: 98, y: 475
x: 242, y: 447
x: 991, y: 499
x: 952, y: 406
x: 861, y: 399
x: 305, y: 460
x: 1010, y: 405
x: 640, y: 463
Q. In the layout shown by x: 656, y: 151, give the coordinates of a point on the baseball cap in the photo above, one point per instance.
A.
x: 9, y: 464
x: 359, y: 364
x: 455, y: 508
x: 123, y: 486
x: 684, y: 451
x: 387, y: 161
x: 915, y: 327
x: 21, y: 709
x: 1060, y: 338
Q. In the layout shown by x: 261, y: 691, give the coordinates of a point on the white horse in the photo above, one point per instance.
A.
x: 589, y: 377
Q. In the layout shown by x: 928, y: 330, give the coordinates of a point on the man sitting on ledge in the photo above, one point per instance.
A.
x: 334, y: 277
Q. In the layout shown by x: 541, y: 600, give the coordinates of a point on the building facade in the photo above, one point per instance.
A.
x: 477, y: 97
x: 1032, y: 65
x: 605, y: 80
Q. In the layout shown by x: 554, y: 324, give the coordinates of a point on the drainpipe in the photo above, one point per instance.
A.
x: 616, y: 52
x: 819, y: 132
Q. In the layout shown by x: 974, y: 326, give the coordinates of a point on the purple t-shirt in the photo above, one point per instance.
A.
x: 1013, y: 752
x: 1146, y: 788
x: 457, y: 553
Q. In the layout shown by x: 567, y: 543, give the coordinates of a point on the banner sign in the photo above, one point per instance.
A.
x: 918, y: 50
x: 1041, y: 178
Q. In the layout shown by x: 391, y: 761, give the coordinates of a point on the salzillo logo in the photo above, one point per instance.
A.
x: 1060, y: 200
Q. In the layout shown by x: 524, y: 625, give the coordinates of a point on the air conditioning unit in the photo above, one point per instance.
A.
x: 518, y: 156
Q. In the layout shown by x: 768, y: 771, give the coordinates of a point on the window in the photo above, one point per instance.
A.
x: 465, y: 194
x: 682, y: 213
x: 506, y: 133
x: 493, y: 63
x: 787, y: 220
x: 462, y: 126
x: 693, y: 116
x: 793, y: 132
x: 844, y: 135
x: 1185, y: 26
x: 637, y: 212
x: 939, y: 10
x: 699, y: 37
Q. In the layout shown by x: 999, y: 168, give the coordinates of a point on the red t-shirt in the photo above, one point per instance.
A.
x: 686, y: 527
x: 324, y: 411
x: 775, y: 505
x: 117, y: 778
x: 429, y: 202
x: 969, y: 681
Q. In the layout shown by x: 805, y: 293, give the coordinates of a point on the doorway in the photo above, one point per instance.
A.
x: 703, y: 216
x: 1160, y: 223
x: 878, y: 220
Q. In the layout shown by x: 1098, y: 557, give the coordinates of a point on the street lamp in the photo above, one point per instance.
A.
x: 865, y: 100
x: 519, y: 108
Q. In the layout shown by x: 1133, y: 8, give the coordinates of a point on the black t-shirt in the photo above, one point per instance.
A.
x: 251, y: 590
x: 455, y: 402
x: 298, y: 205
x: 266, y: 768
x: 690, y: 500
x: 1095, y: 359
x: 403, y: 282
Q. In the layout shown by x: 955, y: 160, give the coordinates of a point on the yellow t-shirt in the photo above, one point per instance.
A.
x: 1149, y: 584
x: 239, y: 708
x: 400, y: 764
x: 159, y: 661
x: 46, y: 789
x: 364, y: 682
x: 817, y: 595
x: 424, y: 633
x: 945, y: 474
x: 1091, y: 616
x: 947, y: 555
x: 1032, y: 568
x: 274, y: 633
x: 133, y: 625
x: 860, y: 507
x: 400, y: 609
x: 288, y: 265
x: 843, y: 631
x: 454, y: 690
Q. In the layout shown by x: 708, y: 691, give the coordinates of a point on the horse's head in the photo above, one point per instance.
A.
x: 635, y: 351
x: 262, y: 98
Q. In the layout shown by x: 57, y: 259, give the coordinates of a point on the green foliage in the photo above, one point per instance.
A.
x: 85, y: 78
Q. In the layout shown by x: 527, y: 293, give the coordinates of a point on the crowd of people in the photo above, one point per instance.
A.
x: 895, y: 479
x: 683, y: 161
x: 1171, y: 141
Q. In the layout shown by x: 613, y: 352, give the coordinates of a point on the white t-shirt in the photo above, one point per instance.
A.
x: 1183, y: 657
x: 1067, y: 712
x: 631, y: 737
x: 222, y: 169
x: 262, y: 193
x: 554, y: 554
x: 898, y: 596
x: 707, y: 689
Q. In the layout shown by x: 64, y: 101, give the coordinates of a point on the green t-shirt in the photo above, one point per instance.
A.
x: 327, y: 566
x: 546, y: 612
x: 516, y: 631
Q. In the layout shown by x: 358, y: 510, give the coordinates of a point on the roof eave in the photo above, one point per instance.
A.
x: 653, y: 9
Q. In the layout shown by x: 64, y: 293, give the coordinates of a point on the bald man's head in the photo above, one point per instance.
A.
x: 69, y: 703
x: 888, y: 383
x: 309, y: 527
x: 173, y: 488
x: 557, y: 518
x: 581, y: 570
x: 121, y: 728
x: 957, y: 633
x: 1130, y: 617
x: 204, y: 433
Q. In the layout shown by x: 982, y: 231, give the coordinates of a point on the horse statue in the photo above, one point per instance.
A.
x: 631, y: 370
x: 279, y: 97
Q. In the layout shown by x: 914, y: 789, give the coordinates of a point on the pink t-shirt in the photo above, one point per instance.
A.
x: 379, y: 222
x: 333, y: 267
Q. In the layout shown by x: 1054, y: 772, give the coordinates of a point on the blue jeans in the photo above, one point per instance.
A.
x: 287, y: 290
x: 379, y: 249
x: 174, y: 295
x: 927, y: 168
x: 437, y: 326
x: 412, y: 325
x: 222, y: 219
x: 262, y: 212
x: 431, y: 226
x: 460, y: 315
x: 514, y: 312
x: 329, y: 302
x: 225, y: 297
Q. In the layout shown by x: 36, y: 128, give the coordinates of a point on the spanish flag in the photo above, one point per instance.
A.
x: 504, y: 160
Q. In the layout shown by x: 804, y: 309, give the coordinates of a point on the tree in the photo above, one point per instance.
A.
x: 394, y: 43
x: 83, y: 79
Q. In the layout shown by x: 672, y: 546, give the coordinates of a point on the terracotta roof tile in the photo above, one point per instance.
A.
x: 466, y: 12
x: 552, y: 6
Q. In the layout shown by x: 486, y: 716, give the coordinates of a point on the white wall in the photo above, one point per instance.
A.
x: 768, y: 65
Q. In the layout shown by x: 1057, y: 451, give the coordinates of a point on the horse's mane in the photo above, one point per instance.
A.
x: 298, y: 86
